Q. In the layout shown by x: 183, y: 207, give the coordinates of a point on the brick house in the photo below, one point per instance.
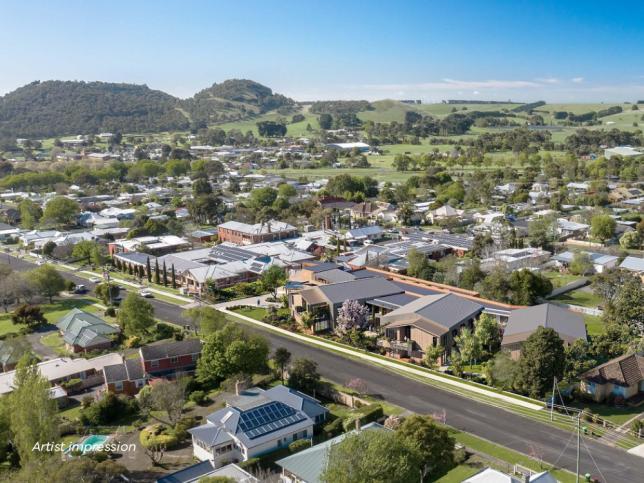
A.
x: 245, y: 234
x: 169, y: 358
x: 84, y: 332
x: 126, y: 378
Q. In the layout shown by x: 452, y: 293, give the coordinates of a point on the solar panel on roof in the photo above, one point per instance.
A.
x: 268, y: 418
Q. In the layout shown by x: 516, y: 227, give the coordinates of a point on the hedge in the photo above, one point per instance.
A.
x: 249, y: 463
x: 334, y: 428
x: 367, y: 414
x: 159, y: 435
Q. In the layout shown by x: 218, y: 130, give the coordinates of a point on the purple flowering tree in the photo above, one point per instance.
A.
x: 352, y: 315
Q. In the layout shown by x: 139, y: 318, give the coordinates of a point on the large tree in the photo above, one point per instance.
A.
x: 542, y: 358
x: 273, y: 278
x: 602, y: 227
x: 304, y: 376
x: 47, y: 281
x: 230, y: 351
x: 34, y: 413
x: 60, y: 212
x: 468, y: 345
x: 431, y: 443
x: 281, y: 358
x: 371, y: 457
x: 30, y: 214
x: 207, y: 319
x: 136, y: 315
x: 488, y: 332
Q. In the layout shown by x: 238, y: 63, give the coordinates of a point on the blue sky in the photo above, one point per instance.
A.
x: 566, y: 51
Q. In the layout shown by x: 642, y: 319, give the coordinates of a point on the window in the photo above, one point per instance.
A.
x: 118, y: 385
x: 174, y: 359
x: 154, y: 363
x: 139, y: 383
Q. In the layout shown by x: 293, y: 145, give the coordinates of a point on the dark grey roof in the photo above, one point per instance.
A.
x: 393, y: 301
x: 228, y: 253
x: 522, y: 322
x: 130, y: 370
x: 447, y: 239
x: 335, y: 275
x: 437, y: 314
x: 136, y: 257
x: 321, y: 267
x: 189, y: 474
x: 361, y: 289
x: 170, y: 349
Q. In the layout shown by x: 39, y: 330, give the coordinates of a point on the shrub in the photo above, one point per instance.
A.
x: 134, y: 341
x: 159, y: 435
x: 87, y: 401
x: 198, y: 397
x: 110, y: 312
x: 182, y: 427
x: 299, y: 445
x: 70, y: 286
x: 334, y: 428
x: 250, y: 463
x: 66, y: 428
x: 638, y: 425
x: 165, y: 331
x: 71, y: 385
x: 108, y: 409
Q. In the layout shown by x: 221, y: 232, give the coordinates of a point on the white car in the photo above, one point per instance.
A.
x: 146, y: 294
x: 96, y: 279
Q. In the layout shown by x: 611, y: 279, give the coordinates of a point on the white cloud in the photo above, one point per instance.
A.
x: 548, y: 80
x: 577, y: 80
x: 455, y: 85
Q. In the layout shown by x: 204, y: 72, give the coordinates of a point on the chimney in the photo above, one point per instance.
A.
x: 238, y: 387
x: 358, y: 424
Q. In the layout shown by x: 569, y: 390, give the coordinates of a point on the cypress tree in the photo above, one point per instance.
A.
x: 174, y: 277
x: 157, y: 277
x: 148, y: 269
x: 165, y: 275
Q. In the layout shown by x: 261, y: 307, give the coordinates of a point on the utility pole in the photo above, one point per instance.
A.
x: 578, y: 444
x: 552, y: 399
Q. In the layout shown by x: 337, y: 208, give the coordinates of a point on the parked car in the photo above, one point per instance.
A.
x: 96, y: 279
x: 146, y: 294
x: 80, y: 289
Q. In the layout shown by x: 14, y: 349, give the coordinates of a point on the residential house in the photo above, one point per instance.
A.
x: 10, y: 354
x: 254, y: 423
x: 57, y: 371
x: 206, y: 469
x: 127, y: 377
x: 307, y: 466
x: 524, y: 322
x: 490, y: 475
x: 459, y: 244
x: 444, y: 213
x: 368, y: 210
x: 323, y: 302
x: 571, y: 229
x: 165, y: 359
x: 154, y: 245
x: 633, y: 264
x: 82, y: 331
x: 619, y: 377
x: 429, y: 321
x: 364, y: 234
x: 515, y: 259
x: 600, y: 261
x: 622, y: 151
x: 245, y: 234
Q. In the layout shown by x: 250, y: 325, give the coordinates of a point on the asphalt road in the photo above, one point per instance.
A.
x: 494, y: 424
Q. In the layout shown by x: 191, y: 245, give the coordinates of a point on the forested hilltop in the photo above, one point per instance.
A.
x: 58, y: 108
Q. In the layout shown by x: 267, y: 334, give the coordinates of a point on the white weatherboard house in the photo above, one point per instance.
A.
x: 254, y: 423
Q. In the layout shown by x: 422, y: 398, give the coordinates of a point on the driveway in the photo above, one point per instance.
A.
x: 41, y: 350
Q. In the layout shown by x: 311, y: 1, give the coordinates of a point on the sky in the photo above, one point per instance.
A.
x: 557, y: 51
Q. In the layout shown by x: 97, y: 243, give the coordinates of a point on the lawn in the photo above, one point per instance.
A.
x: 585, y: 298
x: 458, y: 474
x: 55, y: 341
x: 54, y: 311
x: 7, y: 326
x: 257, y: 313
x: 559, y: 279
x: 594, y: 324
x: 610, y: 413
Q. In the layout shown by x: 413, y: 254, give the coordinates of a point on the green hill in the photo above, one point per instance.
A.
x: 59, y: 108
